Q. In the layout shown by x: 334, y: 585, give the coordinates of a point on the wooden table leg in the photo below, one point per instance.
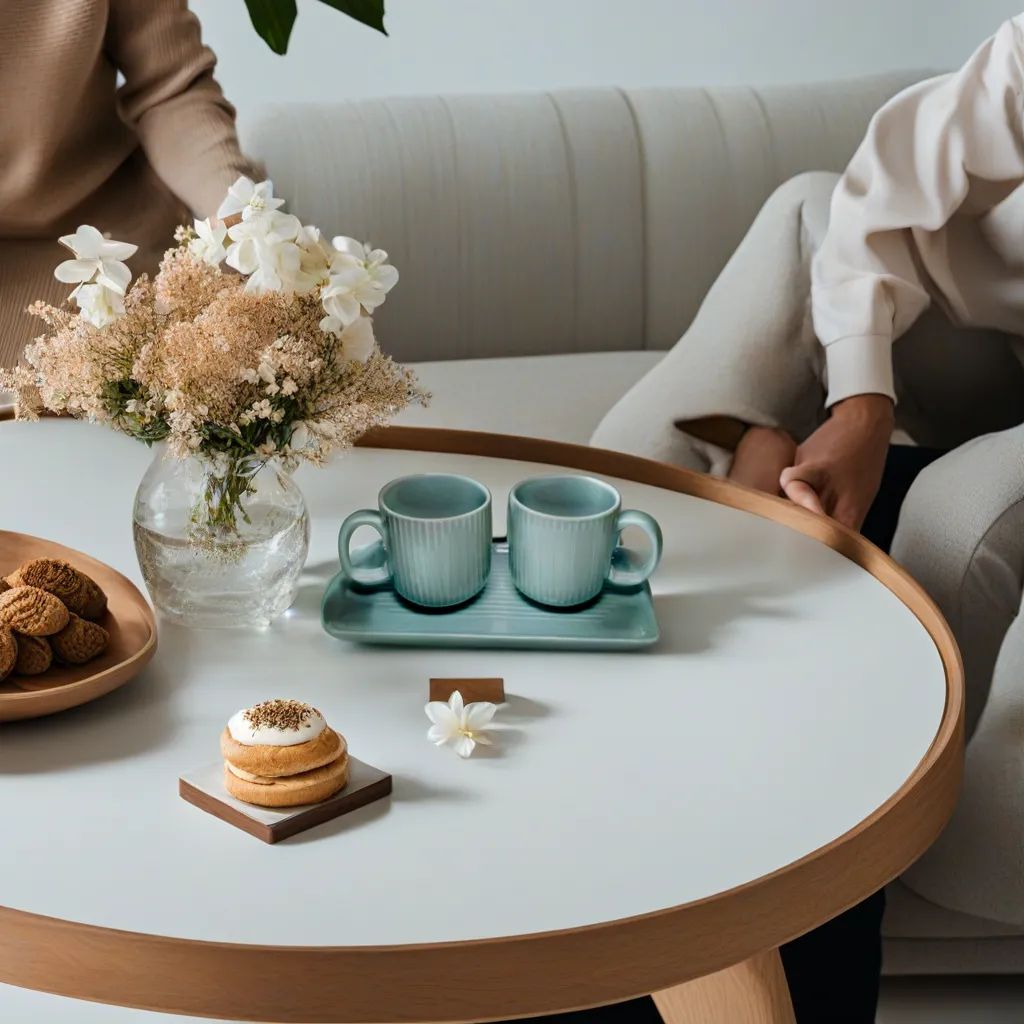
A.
x: 753, y: 992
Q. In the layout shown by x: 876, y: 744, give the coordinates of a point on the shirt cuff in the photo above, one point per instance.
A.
x: 859, y: 365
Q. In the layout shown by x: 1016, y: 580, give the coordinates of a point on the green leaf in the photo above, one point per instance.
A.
x: 369, y: 12
x: 273, y: 20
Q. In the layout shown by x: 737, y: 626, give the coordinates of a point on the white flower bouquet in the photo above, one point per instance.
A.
x: 274, y: 360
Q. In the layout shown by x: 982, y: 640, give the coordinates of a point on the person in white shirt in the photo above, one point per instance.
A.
x: 927, y: 216
x: 891, y: 296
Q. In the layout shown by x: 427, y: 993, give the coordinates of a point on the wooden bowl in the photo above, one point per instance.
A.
x: 128, y: 619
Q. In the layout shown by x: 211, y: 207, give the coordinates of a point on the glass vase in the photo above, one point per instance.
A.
x: 221, y: 542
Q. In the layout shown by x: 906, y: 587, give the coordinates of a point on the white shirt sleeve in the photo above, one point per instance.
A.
x: 910, y: 175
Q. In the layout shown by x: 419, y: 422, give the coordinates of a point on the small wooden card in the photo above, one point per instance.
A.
x: 492, y: 690
x: 205, y: 788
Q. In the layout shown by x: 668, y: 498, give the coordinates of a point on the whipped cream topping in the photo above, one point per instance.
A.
x: 276, y: 723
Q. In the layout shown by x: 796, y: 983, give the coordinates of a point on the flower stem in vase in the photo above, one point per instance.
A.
x: 216, y: 516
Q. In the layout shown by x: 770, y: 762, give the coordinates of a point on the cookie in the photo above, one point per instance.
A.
x: 291, y: 791
x: 274, y: 762
x: 79, y: 641
x: 8, y: 651
x: 32, y: 611
x: 94, y: 601
x: 61, y: 579
x: 35, y: 655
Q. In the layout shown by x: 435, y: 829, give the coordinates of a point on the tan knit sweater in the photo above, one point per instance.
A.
x: 77, y: 149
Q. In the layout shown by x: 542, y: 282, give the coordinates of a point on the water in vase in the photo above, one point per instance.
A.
x: 245, y: 573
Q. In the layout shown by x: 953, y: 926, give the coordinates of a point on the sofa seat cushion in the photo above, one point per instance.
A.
x: 922, y: 938
x: 560, y: 397
x: 909, y: 916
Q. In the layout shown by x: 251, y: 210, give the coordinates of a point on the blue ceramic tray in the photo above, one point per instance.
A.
x: 618, y: 619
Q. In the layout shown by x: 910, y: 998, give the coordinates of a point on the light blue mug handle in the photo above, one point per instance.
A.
x: 634, y: 577
x: 364, y: 577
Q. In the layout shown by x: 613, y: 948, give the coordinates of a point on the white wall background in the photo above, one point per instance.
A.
x: 501, y: 45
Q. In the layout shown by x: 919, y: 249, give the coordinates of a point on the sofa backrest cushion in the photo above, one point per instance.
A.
x: 570, y: 221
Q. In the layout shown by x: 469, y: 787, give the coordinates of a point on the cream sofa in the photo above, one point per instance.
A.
x: 553, y: 245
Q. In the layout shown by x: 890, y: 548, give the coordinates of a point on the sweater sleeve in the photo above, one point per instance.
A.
x: 172, y: 101
x: 910, y: 175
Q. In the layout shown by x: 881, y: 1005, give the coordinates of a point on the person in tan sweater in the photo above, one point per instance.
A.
x: 133, y: 158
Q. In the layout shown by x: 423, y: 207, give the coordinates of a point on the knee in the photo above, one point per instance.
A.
x: 961, y: 508
x: 961, y: 536
x: 630, y: 428
x: 811, y: 189
x: 960, y: 530
x: 803, y: 203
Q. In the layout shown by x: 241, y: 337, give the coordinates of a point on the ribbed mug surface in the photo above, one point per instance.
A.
x: 561, y: 534
x: 436, y: 529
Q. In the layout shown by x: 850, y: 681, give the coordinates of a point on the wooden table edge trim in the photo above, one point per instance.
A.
x: 569, y: 969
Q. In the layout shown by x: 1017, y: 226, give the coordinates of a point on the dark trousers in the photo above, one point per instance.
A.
x: 834, y: 970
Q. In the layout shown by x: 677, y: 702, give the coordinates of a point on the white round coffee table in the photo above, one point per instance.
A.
x: 645, y: 821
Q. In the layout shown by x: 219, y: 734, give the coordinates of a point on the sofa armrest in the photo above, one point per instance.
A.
x: 961, y: 535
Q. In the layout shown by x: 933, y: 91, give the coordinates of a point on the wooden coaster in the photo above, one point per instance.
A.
x: 492, y: 690
x: 205, y: 788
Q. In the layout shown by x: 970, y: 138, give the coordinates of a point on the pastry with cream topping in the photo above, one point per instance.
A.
x: 282, y: 753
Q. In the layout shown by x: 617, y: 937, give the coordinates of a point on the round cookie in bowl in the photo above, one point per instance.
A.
x: 282, y: 753
x: 65, y: 657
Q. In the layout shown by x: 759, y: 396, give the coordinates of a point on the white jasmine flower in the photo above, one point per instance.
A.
x: 208, y: 244
x: 249, y: 376
x: 267, y: 372
x: 278, y: 416
x: 99, y: 304
x: 97, y: 260
x: 262, y: 409
x: 248, y: 198
x: 359, y: 252
x: 289, y: 387
x: 461, y: 725
x: 357, y: 340
x: 263, y: 249
x: 271, y: 267
x: 316, y: 253
x: 340, y: 299
x: 267, y: 448
x: 360, y: 279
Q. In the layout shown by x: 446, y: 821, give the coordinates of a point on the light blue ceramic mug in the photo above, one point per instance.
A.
x: 436, y: 530
x: 562, y: 535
